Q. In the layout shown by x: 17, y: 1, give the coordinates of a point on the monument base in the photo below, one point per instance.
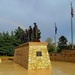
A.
x: 32, y: 55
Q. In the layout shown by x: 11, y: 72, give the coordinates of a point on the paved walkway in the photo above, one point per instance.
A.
x: 58, y: 68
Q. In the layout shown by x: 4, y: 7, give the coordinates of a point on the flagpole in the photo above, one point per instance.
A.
x: 55, y: 36
x: 72, y: 27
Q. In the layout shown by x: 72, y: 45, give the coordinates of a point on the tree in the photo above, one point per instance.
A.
x: 49, y: 40
x: 51, y: 47
x: 62, y: 43
x: 4, y: 43
x: 18, y: 32
x: 39, y: 34
x: 9, y: 42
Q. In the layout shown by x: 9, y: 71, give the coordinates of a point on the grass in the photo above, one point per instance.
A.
x: 6, y: 57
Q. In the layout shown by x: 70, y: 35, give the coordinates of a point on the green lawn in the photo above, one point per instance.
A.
x: 6, y: 57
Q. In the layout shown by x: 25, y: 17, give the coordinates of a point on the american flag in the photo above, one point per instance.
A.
x: 72, y: 11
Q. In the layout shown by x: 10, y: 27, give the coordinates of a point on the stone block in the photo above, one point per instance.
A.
x: 33, y: 55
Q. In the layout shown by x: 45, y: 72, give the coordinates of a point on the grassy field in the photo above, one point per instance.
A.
x: 6, y: 57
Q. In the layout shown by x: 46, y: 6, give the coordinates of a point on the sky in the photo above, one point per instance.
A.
x: 45, y: 13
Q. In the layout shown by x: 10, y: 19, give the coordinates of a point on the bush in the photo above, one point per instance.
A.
x: 50, y: 48
x: 58, y: 49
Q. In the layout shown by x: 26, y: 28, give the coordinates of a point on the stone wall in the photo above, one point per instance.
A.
x: 64, y: 55
x: 33, y: 55
x: 21, y: 55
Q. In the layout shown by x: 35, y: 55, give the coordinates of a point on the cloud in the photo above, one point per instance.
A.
x: 44, y: 12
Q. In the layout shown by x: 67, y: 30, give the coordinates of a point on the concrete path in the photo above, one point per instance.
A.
x: 58, y: 68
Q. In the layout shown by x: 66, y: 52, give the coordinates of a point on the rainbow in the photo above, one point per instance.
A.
x: 11, y: 22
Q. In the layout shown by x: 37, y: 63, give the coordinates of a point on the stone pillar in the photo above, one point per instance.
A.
x: 33, y: 55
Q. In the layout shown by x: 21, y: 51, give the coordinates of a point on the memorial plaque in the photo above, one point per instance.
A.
x: 38, y: 53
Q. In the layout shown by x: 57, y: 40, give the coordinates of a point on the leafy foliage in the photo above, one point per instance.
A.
x: 39, y: 34
x: 49, y: 40
x: 51, y: 46
x: 18, y: 32
x: 62, y: 44
x: 9, y: 42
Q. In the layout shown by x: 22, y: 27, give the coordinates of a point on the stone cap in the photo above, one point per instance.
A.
x: 33, y: 44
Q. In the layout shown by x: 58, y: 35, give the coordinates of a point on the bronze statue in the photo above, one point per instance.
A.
x: 24, y: 36
x: 30, y: 33
x: 35, y: 31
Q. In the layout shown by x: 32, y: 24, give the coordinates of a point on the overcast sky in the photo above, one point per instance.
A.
x: 45, y: 13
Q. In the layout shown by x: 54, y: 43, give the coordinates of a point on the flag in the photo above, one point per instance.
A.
x: 72, y: 12
x: 55, y: 29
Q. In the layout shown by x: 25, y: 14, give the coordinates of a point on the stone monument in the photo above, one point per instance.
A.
x: 32, y: 55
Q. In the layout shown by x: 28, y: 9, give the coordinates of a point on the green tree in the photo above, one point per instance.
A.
x: 62, y: 43
x: 14, y: 41
x: 49, y: 40
x: 4, y: 43
x: 39, y: 34
x: 51, y: 47
x: 18, y: 32
x: 9, y: 42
